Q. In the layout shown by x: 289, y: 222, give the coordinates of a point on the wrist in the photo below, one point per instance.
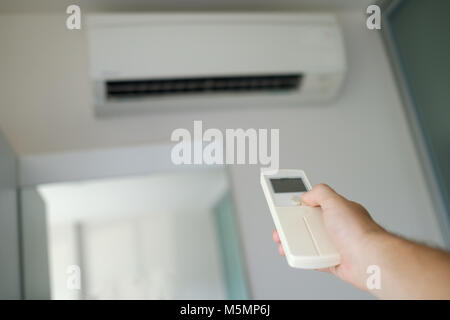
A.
x: 372, y: 240
x: 380, y: 251
x: 368, y: 257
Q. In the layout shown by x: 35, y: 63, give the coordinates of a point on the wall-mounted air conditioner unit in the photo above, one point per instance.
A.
x: 185, y: 61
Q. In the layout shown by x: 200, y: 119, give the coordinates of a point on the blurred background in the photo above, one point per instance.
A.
x: 166, y: 236
x: 100, y: 193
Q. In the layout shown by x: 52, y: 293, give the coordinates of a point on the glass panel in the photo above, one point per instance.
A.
x: 421, y: 34
x: 232, y: 264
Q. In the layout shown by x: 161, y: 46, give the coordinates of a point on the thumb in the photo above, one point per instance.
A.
x: 319, y: 195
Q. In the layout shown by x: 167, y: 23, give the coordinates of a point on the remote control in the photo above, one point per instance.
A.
x: 301, y: 229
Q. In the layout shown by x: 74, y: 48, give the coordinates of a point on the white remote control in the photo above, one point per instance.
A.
x: 302, y: 232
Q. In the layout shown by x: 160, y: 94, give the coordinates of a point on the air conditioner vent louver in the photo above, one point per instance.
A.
x: 117, y: 89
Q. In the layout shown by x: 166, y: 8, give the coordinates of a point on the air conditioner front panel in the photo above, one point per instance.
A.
x: 204, y: 48
x: 133, y: 56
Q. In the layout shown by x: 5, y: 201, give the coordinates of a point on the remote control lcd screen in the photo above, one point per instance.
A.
x: 282, y: 185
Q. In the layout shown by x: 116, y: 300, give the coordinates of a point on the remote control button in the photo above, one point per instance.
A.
x: 295, y: 200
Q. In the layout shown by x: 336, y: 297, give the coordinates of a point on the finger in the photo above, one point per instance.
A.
x: 275, y: 236
x: 332, y: 270
x: 281, y: 250
x: 324, y: 270
x: 319, y: 195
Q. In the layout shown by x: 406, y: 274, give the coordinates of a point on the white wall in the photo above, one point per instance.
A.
x: 62, y: 253
x: 359, y: 144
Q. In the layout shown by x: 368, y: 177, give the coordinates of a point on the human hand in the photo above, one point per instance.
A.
x: 351, y: 229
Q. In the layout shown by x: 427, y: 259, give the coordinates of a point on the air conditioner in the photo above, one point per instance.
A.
x: 209, y: 60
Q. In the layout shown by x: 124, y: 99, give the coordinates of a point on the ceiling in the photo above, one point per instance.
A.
x: 55, y: 6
